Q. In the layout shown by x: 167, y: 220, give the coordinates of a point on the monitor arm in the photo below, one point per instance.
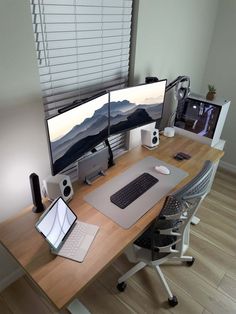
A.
x: 110, y: 160
x: 181, y: 92
x: 177, y: 83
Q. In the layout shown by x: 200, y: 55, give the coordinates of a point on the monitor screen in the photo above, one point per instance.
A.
x: 76, y: 131
x: 56, y: 222
x: 198, y: 117
x: 136, y: 106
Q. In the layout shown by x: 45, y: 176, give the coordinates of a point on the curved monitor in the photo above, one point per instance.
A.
x: 136, y: 106
x: 76, y: 131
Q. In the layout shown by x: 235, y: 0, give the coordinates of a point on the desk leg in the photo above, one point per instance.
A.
x: 195, y: 220
x: 76, y: 307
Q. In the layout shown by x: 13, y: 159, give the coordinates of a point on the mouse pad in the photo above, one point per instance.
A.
x: 100, y: 198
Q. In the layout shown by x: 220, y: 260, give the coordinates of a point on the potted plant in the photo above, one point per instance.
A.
x: 211, y: 92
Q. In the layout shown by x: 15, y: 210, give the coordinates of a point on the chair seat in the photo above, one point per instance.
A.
x: 148, y: 239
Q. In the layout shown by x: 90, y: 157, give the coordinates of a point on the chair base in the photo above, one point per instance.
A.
x: 188, y: 259
x: 121, y: 286
x: 190, y: 263
x: 172, y: 300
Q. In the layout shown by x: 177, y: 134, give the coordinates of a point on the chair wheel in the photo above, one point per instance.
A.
x: 121, y: 286
x: 173, y: 301
x: 190, y: 263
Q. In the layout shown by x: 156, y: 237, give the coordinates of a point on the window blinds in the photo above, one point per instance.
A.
x: 82, y: 48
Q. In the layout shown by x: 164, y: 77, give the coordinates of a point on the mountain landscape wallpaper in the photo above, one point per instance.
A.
x: 76, y: 131
x: 136, y: 106
x: 86, y: 129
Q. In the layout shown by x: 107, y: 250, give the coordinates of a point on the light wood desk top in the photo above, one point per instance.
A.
x: 62, y: 279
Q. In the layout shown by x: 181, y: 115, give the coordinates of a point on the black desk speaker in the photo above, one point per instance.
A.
x: 36, y: 194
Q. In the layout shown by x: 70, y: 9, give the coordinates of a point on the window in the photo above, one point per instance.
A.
x: 82, y: 48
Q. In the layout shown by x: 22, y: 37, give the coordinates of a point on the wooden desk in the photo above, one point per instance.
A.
x: 61, y: 279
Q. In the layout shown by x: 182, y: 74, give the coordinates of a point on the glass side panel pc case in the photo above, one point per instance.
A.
x: 200, y: 119
x: 76, y: 131
x: 136, y: 106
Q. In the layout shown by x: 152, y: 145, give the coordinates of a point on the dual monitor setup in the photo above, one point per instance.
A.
x: 79, y: 128
x: 83, y: 125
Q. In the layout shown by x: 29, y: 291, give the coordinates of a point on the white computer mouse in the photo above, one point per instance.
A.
x: 162, y: 169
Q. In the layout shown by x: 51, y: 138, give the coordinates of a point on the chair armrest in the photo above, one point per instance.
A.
x: 169, y: 232
x: 170, y: 229
x: 175, y: 216
x: 167, y: 248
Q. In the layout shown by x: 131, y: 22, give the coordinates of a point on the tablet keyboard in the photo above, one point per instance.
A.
x: 78, y: 242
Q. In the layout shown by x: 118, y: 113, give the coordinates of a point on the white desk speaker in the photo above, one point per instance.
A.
x: 59, y: 185
x: 150, y: 137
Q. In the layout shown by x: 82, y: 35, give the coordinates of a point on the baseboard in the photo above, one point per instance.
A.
x: 227, y: 166
x: 5, y: 282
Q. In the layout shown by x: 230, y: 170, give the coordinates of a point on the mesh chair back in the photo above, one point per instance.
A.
x: 196, y: 188
x: 179, y: 209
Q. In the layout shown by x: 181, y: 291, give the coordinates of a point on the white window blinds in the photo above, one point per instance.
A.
x: 82, y: 48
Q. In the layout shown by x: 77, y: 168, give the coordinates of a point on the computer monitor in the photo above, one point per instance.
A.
x: 76, y: 131
x: 201, y: 119
x: 198, y: 117
x: 136, y: 106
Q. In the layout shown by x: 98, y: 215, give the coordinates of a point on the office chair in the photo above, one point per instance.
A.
x: 168, y: 237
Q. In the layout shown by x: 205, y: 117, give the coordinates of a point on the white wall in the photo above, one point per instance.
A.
x: 23, y: 147
x: 172, y: 38
x: 22, y: 133
x: 221, y: 71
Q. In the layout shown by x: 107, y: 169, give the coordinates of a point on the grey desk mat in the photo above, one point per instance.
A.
x: 100, y: 198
